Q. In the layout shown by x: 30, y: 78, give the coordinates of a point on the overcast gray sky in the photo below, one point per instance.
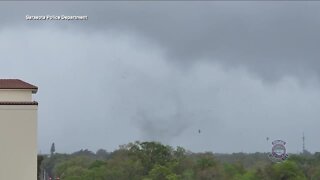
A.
x: 239, y: 71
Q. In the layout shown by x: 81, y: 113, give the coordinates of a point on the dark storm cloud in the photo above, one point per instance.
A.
x: 272, y: 39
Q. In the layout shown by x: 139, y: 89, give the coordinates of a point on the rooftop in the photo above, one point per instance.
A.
x: 17, y: 84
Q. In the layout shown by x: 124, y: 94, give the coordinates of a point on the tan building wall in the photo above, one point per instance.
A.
x: 18, y: 141
x: 15, y: 95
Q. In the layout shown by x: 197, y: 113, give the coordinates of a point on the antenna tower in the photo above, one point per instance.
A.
x: 303, y: 144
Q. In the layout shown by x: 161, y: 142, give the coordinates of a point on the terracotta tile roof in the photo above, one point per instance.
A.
x: 16, y: 84
x: 18, y: 103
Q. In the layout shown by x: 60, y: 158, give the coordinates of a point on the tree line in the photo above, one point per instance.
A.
x: 155, y: 161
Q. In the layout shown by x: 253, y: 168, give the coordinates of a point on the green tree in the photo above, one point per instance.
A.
x: 234, y: 170
x: 52, y: 149
x: 287, y: 170
x: 40, y: 158
x: 207, y: 168
x: 151, y: 153
x: 160, y: 172
x: 73, y: 167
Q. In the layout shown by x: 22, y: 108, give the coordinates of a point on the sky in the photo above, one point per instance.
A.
x: 239, y: 71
